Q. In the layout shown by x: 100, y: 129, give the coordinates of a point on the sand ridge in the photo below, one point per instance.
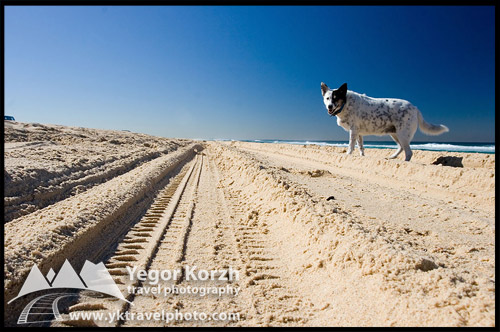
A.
x: 45, y: 164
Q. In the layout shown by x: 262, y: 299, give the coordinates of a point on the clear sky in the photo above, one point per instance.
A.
x: 247, y: 72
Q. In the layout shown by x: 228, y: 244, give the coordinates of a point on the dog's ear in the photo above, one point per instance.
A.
x: 342, y: 91
x: 324, y: 88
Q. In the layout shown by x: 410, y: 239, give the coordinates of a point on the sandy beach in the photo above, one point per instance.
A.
x: 319, y: 238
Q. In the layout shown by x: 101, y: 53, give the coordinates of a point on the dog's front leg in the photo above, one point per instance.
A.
x: 360, y: 145
x: 353, y: 135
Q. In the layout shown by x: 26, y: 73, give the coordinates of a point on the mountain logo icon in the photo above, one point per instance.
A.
x: 93, y: 277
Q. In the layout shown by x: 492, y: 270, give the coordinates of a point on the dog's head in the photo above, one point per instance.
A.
x: 334, y: 99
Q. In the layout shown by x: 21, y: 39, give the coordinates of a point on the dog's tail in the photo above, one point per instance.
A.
x: 430, y: 129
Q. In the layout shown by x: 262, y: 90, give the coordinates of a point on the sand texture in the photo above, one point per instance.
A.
x: 319, y: 238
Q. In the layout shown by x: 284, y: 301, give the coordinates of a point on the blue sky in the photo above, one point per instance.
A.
x: 247, y: 72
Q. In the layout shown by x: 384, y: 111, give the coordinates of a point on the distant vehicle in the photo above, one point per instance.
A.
x: 9, y: 117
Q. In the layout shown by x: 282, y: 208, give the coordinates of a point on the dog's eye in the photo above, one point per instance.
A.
x: 328, y: 98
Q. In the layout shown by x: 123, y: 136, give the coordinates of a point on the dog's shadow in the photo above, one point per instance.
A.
x: 449, y: 161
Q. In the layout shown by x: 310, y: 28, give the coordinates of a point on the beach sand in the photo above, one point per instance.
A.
x: 320, y: 238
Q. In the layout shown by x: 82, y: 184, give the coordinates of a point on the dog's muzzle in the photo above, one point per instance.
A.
x: 335, y: 112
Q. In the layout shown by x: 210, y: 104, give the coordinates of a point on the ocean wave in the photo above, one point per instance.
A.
x: 453, y: 147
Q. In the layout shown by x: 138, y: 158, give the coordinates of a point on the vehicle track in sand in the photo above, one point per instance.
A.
x: 196, y: 222
x: 138, y: 246
x: 399, y: 211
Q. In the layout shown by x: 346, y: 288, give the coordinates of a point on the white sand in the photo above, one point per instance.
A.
x: 399, y: 244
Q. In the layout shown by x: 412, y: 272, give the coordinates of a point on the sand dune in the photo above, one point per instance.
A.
x: 320, y: 238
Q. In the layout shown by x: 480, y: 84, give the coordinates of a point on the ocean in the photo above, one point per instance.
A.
x: 427, y: 146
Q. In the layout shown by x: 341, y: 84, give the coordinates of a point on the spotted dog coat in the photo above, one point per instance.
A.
x: 363, y: 115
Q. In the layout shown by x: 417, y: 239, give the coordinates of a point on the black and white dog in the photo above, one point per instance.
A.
x: 362, y: 115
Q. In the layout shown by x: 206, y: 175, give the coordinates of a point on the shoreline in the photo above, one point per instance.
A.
x: 460, y: 147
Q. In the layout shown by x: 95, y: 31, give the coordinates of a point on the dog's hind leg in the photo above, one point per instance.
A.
x: 405, y: 137
x: 360, y: 145
x: 400, y: 148
x: 405, y: 144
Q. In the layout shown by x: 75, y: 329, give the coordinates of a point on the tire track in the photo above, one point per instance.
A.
x: 87, y: 226
x: 272, y: 299
x: 218, y: 236
x: 373, y: 208
x: 267, y: 296
x: 209, y: 246
x: 168, y: 216
x: 171, y: 248
x: 447, y: 182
